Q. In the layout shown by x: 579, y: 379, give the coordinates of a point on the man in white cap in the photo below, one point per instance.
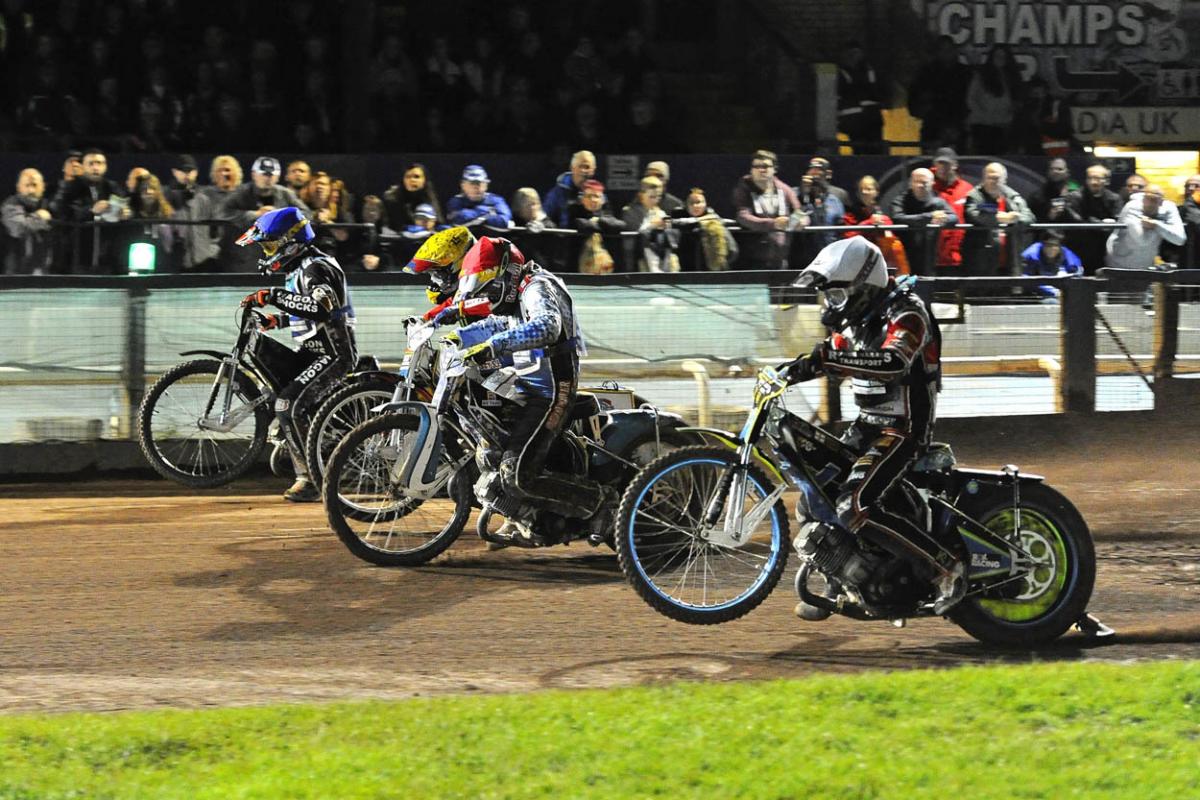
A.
x: 668, y: 202
x: 475, y: 205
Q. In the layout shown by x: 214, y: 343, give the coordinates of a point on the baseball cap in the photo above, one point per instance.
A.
x: 425, y: 210
x: 818, y: 162
x: 945, y: 154
x: 265, y: 165
x: 661, y: 168
x: 593, y: 186
x: 185, y: 163
x: 474, y: 172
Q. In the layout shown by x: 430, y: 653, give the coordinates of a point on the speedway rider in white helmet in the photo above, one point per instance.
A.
x: 883, y: 337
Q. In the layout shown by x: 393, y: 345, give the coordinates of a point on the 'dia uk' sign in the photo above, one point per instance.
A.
x: 1132, y: 124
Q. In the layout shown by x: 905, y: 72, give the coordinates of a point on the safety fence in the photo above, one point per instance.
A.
x: 78, y: 353
x: 180, y: 245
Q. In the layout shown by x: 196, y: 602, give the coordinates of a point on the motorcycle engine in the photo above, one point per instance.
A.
x: 833, y: 551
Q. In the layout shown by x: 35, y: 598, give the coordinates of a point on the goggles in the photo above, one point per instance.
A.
x: 835, y: 297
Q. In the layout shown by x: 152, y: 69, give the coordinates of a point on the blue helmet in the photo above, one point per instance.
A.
x: 282, y: 233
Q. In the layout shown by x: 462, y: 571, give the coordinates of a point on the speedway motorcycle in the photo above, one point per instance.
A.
x: 204, y: 422
x: 400, y: 487
x: 702, y: 535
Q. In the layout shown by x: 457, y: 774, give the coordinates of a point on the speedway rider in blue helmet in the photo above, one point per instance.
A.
x: 315, y: 304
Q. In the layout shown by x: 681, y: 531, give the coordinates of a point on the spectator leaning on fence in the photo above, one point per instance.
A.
x: 1093, y: 202
x: 670, y: 203
x: 1050, y: 258
x: 657, y: 240
x: 475, y: 205
x: 1191, y: 221
x: 954, y: 190
x: 991, y: 205
x: 820, y: 204
x: 765, y: 205
x: 27, y: 226
x: 527, y: 209
x: 89, y: 198
x: 866, y: 211
x: 590, y: 215
x: 923, y: 212
x: 1049, y: 203
x: 705, y: 244
x: 262, y: 194
x: 568, y: 187
x: 1147, y: 221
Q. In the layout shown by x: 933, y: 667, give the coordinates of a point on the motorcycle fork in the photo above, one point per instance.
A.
x: 732, y: 489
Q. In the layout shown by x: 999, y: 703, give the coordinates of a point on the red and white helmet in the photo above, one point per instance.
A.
x: 493, y: 268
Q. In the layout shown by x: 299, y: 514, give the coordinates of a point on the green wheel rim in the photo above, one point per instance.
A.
x: 1042, y: 539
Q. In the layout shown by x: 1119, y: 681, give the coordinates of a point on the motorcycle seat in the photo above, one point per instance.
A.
x: 586, y: 405
x: 366, y: 364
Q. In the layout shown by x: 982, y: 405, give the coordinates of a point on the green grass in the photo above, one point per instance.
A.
x: 1057, y: 730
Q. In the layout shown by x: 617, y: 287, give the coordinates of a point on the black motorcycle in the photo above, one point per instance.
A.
x: 702, y: 535
x: 206, y: 421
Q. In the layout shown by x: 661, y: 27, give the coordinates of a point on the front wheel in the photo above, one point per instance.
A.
x: 1053, y: 593
x: 689, y: 571
x: 371, y: 515
x: 185, y: 432
x: 342, y: 410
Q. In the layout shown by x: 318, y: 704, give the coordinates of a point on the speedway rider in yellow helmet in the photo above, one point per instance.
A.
x: 441, y: 258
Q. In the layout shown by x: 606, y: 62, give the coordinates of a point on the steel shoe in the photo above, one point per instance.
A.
x: 303, y: 491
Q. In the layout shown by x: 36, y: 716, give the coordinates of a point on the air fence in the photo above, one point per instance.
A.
x: 77, y: 353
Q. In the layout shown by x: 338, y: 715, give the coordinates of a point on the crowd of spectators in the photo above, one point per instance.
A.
x: 166, y: 76
x: 940, y: 224
x: 987, y: 108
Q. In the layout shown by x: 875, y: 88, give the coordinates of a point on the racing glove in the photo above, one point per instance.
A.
x: 452, y: 339
x: 257, y: 299
x: 270, y: 322
x: 479, y: 353
x: 806, y: 367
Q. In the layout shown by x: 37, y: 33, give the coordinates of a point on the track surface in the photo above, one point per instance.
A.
x: 138, y: 594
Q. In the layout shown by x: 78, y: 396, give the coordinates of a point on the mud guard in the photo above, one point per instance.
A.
x: 628, y: 426
x: 730, y: 440
x: 214, y: 353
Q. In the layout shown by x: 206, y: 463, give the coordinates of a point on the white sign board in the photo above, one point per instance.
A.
x: 1137, y: 124
x: 624, y: 173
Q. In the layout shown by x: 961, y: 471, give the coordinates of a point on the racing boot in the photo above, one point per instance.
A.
x: 303, y: 490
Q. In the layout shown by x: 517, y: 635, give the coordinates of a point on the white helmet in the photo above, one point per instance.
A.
x: 851, y: 275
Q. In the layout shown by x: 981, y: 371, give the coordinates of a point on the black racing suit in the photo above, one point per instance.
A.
x: 894, y: 363
x: 315, y: 300
x: 545, y: 342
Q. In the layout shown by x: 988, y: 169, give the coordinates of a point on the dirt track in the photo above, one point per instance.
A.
x: 135, y: 594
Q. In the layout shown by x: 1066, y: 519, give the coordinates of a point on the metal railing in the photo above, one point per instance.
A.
x: 100, y: 248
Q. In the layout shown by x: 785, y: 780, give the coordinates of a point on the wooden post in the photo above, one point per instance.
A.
x: 1078, y: 384
x: 1166, y: 345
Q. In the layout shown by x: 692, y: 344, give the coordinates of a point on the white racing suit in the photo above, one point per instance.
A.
x: 546, y: 345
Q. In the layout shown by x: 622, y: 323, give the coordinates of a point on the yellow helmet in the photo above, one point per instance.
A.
x: 441, y: 256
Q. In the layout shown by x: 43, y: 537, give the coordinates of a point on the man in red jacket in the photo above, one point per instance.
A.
x: 954, y: 190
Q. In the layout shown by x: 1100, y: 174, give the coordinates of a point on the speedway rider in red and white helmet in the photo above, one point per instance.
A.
x: 315, y: 301
x: 882, y: 337
x: 533, y: 320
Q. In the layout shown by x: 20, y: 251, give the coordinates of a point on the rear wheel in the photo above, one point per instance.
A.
x: 1041, y: 604
x: 684, y: 569
x: 184, y: 433
x: 371, y: 515
x: 341, y: 411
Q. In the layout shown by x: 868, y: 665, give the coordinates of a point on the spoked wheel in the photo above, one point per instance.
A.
x: 182, y: 432
x: 343, y: 410
x: 1052, y: 591
x: 376, y: 520
x: 689, y: 571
